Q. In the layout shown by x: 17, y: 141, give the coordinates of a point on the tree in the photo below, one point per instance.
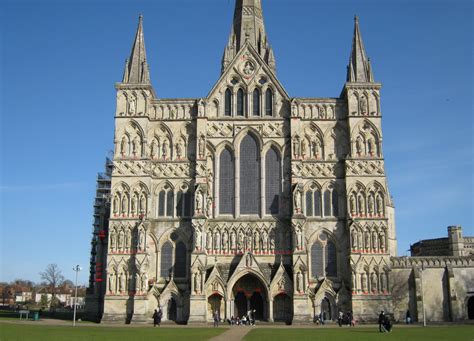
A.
x: 44, y: 302
x: 53, y: 278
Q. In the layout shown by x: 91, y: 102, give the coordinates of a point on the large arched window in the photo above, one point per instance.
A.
x: 256, y: 102
x: 330, y: 259
x: 323, y: 257
x: 166, y: 264
x: 165, y: 202
x: 183, y: 204
x: 228, y: 103
x: 272, y: 181
x: 269, y: 103
x: 226, y: 183
x: 249, y: 176
x: 180, y: 260
x: 240, y: 103
x: 317, y: 261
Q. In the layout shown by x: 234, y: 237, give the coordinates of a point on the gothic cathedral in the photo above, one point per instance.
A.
x: 247, y: 198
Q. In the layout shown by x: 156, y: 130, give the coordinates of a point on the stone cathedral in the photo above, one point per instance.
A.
x: 247, y: 198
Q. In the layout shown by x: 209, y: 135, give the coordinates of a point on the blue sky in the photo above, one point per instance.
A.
x: 60, y: 59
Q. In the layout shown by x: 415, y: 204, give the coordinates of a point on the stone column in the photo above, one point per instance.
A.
x: 270, y: 310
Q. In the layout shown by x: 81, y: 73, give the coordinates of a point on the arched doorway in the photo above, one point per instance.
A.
x: 215, y: 302
x: 326, y: 309
x: 470, y: 308
x: 250, y: 294
x: 282, y: 308
x: 172, y: 309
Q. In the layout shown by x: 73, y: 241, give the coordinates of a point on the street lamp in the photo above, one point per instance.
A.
x: 77, y: 268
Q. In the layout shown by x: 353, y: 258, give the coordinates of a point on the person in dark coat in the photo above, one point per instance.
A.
x: 155, y: 318
x: 381, y: 322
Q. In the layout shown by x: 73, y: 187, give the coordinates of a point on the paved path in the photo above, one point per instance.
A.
x: 233, y: 334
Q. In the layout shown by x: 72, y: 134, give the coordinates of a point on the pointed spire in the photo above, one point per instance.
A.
x: 136, y: 68
x: 359, y: 69
x: 248, y: 27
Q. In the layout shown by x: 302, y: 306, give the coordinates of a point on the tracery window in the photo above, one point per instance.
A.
x: 183, y: 203
x: 269, y: 102
x: 226, y: 183
x: 165, y: 202
x: 249, y: 176
x: 228, y: 103
x: 256, y: 102
x: 272, y: 181
x: 323, y: 257
x: 166, y: 265
x: 313, y: 202
x: 240, y: 103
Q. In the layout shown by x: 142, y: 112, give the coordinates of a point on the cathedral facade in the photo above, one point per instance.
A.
x: 246, y: 199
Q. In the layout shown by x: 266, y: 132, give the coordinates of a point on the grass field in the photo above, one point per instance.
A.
x: 445, y: 333
x: 23, y: 332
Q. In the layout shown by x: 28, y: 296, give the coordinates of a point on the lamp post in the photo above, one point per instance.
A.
x: 77, y: 268
x: 423, y: 297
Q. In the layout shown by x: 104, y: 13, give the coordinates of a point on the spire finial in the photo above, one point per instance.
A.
x: 137, y: 68
x: 140, y: 17
x: 356, y: 19
x: 359, y: 65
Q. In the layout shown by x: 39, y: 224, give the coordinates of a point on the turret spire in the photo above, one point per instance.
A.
x: 248, y: 26
x: 136, y: 67
x: 359, y: 69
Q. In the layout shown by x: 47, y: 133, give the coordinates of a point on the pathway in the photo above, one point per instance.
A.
x: 233, y: 334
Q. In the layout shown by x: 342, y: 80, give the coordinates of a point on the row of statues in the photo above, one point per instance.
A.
x: 373, y: 206
x: 366, y: 147
x: 121, y: 283
x: 367, y: 241
x: 307, y: 148
x: 233, y: 241
x: 127, y: 240
x: 124, y: 205
x: 310, y: 111
x: 370, y: 282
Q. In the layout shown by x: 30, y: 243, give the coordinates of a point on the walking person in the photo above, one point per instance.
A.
x: 216, y: 319
x: 381, y: 321
x: 155, y: 319
x: 339, y: 319
x: 408, y: 317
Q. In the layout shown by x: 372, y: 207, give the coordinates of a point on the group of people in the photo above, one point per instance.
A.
x: 246, y: 320
x: 385, y: 325
x: 346, y: 319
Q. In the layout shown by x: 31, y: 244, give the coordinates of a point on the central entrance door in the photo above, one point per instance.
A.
x: 250, y: 294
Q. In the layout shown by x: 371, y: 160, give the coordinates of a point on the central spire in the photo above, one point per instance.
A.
x: 248, y: 26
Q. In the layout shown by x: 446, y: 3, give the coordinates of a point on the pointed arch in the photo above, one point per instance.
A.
x: 249, y: 152
x: 272, y: 181
x: 226, y: 181
x: 256, y: 102
x: 228, y: 99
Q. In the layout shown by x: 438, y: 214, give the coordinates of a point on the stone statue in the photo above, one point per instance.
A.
x: 294, y: 110
x: 198, y: 202
x: 164, y: 148
x: 233, y: 238
x: 153, y: 149
x: 115, y: 204
x: 352, y: 204
x: 361, y: 205
x: 354, y: 239
x: 248, y: 260
x: 135, y: 146
x: 197, y: 282
x: 299, y: 281
x: 132, y: 104
x: 375, y: 240
x: 374, y: 283
x: 363, y: 279
x: 142, y: 204
x: 296, y: 148
x: 124, y: 204
x: 112, y: 276
x: 217, y: 241
x: 281, y: 284
x: 297, y: 201
x: 383, y: 282
x: 179, y: 149
x: 367, y: 240
x: 112, y: 240
x: 241, y: 240
x: 225, y: 240
x: 197, y: 239
x: 370, y: 146
x: 299, y: 241
x: 123, y: 146
x: 371, y: 204
x: 141, y: 239
x: 201, y: 109
x: 209, y: 207
x: 208, y: 240
x: 363, y: 105
x: 382, y: 241
x: 122, y: 282
x: 136, y: 277
x: 120, y: 241
x: 248, y: 240
x: 144, y: 282
x: 359, y: 146
x: 303, y: 148
x: 264, y: 241
x: 128, y: 240
x: 134, y: 204
x: 379, y: 205
x: 316, y: 148
x: 256, y: 241
x: 272, y: 241
x: 354, y: 282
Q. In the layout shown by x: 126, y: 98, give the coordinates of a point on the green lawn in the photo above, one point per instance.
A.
x: 445, y: 333
x: 23, y: 332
